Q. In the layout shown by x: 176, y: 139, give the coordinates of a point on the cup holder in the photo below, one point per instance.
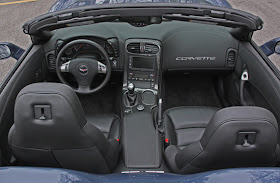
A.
x: 148, y: 98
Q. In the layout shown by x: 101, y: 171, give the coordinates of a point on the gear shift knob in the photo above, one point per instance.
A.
x: 131, y: 88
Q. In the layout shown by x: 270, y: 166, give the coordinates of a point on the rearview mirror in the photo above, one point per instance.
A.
x: 5, y: 52
x: 271, y: 47
x: 10, y: 50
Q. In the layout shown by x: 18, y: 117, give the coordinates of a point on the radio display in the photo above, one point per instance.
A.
x: 144, y: 76
x: 143, y: 62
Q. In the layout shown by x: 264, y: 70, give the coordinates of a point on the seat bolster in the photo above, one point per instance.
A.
x: 112, y: 155
x: 108, y: 124
x: 278, y: 155
x: 115, y: 128
x: 170, y: 154
x: 186, y: 155
x: 11, y: 133
x: 97, y: 138
x: 109, y: 149
x: 169, y: 131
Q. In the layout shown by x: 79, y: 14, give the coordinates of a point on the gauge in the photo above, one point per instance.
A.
x: 78, y: 47
x: 109, y: 49
x: 68, y: 51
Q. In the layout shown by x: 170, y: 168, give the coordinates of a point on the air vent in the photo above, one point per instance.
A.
x: 142, y: 48
x: 133, y: 47
x: 231, y: 57
x: 151, y: 48
x: 51, y: 61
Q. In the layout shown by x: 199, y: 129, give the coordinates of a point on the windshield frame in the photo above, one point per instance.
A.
x: 244, y: 23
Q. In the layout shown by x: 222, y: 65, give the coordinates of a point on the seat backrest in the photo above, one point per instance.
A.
x: 235, y: 137
x: 50, y: 129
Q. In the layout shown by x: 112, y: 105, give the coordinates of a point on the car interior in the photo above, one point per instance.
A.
x: 113, y: 97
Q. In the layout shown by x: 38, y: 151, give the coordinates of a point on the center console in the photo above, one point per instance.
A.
x: 141, y: 140
x: 142, y: 66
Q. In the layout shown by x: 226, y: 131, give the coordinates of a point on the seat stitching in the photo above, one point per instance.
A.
x: 190, y: 107
x: 49, y: 149
x: 190, y: 127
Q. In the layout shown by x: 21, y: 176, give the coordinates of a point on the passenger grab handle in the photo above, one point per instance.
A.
x: 244, y: 78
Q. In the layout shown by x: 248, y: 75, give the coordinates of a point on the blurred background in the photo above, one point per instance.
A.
x: 14, y: 13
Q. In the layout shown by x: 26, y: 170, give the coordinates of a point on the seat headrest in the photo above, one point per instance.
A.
x: 243, y: 118
x: 239, y: 137
x: 233, y: 125
x: 49, y: 111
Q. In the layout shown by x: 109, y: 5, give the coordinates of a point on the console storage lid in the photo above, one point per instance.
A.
x: 141, y: 141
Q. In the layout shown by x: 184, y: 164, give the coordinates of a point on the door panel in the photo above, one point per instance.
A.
x: 263, y: 86
x: 26, y: 73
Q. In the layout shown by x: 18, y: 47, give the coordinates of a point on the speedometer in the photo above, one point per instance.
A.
x: 78, y: 47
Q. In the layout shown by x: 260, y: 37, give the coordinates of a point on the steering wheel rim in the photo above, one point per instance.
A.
x: 81, y: 88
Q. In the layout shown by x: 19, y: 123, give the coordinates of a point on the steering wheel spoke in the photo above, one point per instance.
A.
x: 83, y: 89
x: 65, y: 67
x: 102, y: 69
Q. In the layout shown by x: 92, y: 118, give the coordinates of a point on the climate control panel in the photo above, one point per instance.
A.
x: 148, y: 77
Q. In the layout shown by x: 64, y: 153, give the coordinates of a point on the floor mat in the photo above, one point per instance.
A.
x: 102, y: 102
x: 190, y: 91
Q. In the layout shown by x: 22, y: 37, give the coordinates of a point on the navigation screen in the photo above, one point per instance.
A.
x: 143, y: 62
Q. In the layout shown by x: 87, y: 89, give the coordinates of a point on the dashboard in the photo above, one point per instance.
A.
x: 182, y: 46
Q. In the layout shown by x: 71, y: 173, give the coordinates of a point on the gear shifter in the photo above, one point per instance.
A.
x: 131, y: 88
x: 131, y: 94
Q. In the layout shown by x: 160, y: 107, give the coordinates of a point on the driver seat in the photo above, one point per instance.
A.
x: 51, y: 130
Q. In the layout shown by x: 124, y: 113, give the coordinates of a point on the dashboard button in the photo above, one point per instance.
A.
x: 127, y: 111
x: 115, y: 63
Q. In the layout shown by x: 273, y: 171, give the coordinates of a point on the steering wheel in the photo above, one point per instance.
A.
x: 84, y: 69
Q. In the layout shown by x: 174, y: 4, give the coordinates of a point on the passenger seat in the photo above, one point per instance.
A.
x: 203, y: 138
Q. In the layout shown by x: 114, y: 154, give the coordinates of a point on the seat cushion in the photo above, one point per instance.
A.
x: 185, y: 125
x: 108, y: 124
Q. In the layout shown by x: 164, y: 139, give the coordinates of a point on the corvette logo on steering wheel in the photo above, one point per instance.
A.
x: 83, y: 69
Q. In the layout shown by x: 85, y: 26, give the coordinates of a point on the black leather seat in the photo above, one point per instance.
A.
x: 233, y: 137
x: 185, y: 125
x: 50, y: 129
x: 108, y: 124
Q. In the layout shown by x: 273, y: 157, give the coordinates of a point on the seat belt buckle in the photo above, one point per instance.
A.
x: 166, y: 143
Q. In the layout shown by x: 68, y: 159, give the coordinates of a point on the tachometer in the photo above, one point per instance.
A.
x: 68, y: 51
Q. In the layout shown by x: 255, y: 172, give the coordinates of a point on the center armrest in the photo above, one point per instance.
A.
x: 141, y: 141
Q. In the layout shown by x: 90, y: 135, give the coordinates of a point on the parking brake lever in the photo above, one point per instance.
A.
x: 159, y: 119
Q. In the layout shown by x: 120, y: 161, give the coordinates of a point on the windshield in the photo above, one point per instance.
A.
x: 67, y: 4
